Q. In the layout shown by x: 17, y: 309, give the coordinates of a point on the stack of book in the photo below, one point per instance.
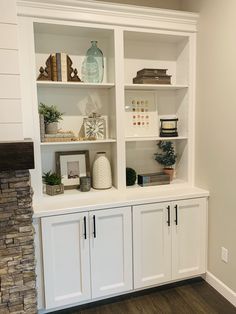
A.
x: 152, y: 76
x: 59, y: 66
x: 59, y: 137
x: 157, y: 178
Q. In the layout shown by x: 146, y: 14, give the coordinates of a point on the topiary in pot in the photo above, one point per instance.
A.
x: 53, y: 183
x: 130, y: 176
x: 51, y: 117
x: 167, y: 158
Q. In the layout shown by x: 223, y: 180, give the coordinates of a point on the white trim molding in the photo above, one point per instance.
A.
x: 114, y: 14
x: 224, y: 290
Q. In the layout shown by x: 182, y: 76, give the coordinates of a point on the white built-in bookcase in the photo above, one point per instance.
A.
x: 127, y: 47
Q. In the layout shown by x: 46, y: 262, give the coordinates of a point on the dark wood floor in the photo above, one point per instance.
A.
x: 194, y: 296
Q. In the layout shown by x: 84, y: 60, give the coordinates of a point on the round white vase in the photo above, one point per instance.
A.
x: 101, y: 178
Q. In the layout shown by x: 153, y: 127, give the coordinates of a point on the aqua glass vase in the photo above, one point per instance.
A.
x: 90, y: 71
x: 95, y: 53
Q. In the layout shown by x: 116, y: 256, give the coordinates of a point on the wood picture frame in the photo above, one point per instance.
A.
x: 72, y: 165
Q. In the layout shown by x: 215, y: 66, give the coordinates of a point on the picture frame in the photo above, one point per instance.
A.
x: 72, y: 165
x: 141, y: 116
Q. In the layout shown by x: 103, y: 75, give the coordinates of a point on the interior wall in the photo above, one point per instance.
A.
x: 215, y: 122
x: 10, y: 103
x: 164, y: 4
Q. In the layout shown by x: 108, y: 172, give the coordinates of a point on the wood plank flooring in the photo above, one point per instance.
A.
x: 189, y: 297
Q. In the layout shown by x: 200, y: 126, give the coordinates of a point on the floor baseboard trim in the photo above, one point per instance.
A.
x: 217, y: 284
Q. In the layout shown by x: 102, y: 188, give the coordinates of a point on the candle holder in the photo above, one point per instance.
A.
x: 168, y: 127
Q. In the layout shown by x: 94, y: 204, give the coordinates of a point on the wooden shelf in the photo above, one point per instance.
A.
x: 42, y: 84
x: 109, y: 140
x: 154, y: 138
x: 154, y: 87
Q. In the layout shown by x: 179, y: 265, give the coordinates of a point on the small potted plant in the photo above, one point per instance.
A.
x: 51, y: 117
x: 53, y: 183
x: 167, y: 158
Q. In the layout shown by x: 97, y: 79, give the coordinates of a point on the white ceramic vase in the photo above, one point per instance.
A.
x: 102, y: 178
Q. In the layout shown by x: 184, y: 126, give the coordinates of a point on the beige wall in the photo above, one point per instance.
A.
x: 216, y: 127
x: 165, y: 4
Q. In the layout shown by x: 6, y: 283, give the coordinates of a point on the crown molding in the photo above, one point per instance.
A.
x: 108, y: 13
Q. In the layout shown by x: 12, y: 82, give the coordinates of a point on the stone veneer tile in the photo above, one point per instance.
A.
x: 17, y: 259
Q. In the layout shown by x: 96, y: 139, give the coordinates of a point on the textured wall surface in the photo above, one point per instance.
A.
x: 10, y: 96
x: 215, y: 122
x: 17, y: 258
x: 164, y: 4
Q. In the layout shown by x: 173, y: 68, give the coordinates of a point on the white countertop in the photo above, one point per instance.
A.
x: 74, y: 201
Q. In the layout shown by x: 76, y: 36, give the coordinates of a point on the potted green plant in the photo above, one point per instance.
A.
x: 53, y: 183
x: 51, y: 117
x: 167, y: 157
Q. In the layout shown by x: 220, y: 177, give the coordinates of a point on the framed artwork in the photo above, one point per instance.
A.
x: 95, y: 128
x: 71, y: 166
x: 141, y: 117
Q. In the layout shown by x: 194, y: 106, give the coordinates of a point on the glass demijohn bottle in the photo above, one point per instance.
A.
x: 94, y: 53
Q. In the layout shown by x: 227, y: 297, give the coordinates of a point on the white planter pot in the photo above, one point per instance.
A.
x: 52, y: 128
x: 102, y: 178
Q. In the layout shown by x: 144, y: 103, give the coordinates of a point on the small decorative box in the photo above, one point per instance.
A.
x: 169, y: 126
x: 157, y: 178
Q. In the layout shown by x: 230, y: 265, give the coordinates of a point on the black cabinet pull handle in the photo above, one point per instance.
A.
x: 176, y: 215
x: 94, y: 226
x: 85, y: 228
x: 168, y: 221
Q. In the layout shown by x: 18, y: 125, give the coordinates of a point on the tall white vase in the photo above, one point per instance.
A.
x: 101, y: 176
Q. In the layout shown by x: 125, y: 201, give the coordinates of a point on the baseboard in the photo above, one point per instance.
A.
x: 217, y: 284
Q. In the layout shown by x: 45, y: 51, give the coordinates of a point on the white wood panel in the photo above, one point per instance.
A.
x: 66, y: 260
x: 11, y: 132
x: 189, y: 238
x: 39, y: 263
x: 111, y: 251
x: 10, y: 111
x: 8, y: 11
x: 8, y: 35
x: 9, y: 61
x: 10, y: 86
x: 152, y: 244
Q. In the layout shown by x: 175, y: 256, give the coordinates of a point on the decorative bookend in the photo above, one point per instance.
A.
x: 42, y: 127
x: 72, y: 74
x: 46, y: 73
x: 58, y: 68
x: 94, y: 127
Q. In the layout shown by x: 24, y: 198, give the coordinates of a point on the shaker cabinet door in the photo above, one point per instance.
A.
x: 152, y: 244
x: 111, y: 251
x: 189, y: 235
x: 66, y: 259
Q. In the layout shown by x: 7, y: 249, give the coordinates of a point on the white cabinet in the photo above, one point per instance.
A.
x: 69, y: 242
x: 111, y: 251
x: 152, y: 244
x: 169, y: 241
x: 189, y: 238
x: 66, y: 260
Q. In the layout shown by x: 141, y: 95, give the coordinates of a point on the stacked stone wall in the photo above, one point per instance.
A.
x: 17, y: 257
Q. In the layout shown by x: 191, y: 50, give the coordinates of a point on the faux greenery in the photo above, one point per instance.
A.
x: 168, y: 157
x: 51, y: 178
x: 130, y: 176
x: 50, y: 113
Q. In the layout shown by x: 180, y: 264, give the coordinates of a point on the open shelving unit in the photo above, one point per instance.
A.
x: 126, y: 50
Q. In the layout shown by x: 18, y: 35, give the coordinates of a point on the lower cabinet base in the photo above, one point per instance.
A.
x: 125, y: 295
